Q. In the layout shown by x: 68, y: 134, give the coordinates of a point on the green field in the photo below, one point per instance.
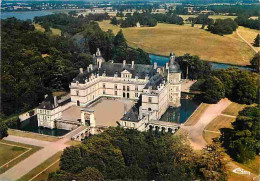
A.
x: 13, y: 153
x: 165, y: 38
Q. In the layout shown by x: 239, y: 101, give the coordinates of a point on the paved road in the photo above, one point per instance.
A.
x: 48, y: 150
x: 195, y: 132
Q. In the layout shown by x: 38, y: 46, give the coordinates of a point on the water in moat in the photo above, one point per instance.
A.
x: 31, y: 125
x: 181, y: 114
x: 162, y: 60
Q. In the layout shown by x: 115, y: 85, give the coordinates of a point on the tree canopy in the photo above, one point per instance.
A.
x: 243, y: 140
x: 132, y: 155
x: 223, y: 26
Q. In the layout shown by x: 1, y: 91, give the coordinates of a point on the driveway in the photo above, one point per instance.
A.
x: 195, y: 132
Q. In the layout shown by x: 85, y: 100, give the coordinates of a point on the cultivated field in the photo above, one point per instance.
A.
x: 165, y: 38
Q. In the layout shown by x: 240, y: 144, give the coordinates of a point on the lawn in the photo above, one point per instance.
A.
x: 233, y: 109
x: 220, y: 122
x: 165, y: 38
x: 212, y: 129
x: 32, y: 135
x: 13, y: 153
x: 42, y: 171
x: 194, y: 118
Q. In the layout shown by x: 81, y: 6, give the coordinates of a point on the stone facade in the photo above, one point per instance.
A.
x: 154, y: 88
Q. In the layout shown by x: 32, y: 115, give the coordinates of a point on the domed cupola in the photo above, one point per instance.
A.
x: 174, y: 67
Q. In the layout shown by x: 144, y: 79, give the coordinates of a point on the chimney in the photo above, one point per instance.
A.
x: 133, y: 62
x: 167, y: 66
x: 55, y: 101
x: 124, y: 62
x: 81, y: 70
x: 155, y: 65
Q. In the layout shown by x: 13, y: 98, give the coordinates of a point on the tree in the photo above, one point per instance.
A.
x: 242, y: 141
x: 255, y: 62
x: 114, y: 21
x: 120, y: 39
x: 257, y: 41
x: 223, y: 26
x: 3, y: 130
x: 214, y: 90
x: 127, y: 154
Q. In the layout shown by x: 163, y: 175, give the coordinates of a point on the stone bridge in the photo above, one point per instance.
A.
x: 163, y: 126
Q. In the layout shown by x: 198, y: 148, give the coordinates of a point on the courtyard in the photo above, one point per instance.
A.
x: 107, y: 111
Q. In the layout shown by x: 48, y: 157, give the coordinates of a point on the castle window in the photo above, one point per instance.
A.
x: 123, y: 87
x: 116, y: 93
x: 115, y: 86
x: 77, y: 92
x: 136, y: 94
x: 125, y: 123
x: 136, y: 88
x: 149, y: 99
x: 133, y: 125
x: 104, y: 85
x: 104, y: 92
x: 128, y: 88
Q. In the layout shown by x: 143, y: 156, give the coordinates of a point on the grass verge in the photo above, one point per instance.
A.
x: 42, y: 171
x: 15, y: 154
x: 32, y: 135
x: 194, y: 118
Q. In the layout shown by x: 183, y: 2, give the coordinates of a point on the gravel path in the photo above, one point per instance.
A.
x: 196, y: 131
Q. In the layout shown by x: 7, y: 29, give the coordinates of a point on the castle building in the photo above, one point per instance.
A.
x: 153, y: 87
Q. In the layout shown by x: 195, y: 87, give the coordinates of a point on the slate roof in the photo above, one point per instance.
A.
x: 111, y: 69
x: 131, y: 115
x: 154, y: 81
x: 48, y: 103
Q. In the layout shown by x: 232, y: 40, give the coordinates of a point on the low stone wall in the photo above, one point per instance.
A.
x: 66, y: 125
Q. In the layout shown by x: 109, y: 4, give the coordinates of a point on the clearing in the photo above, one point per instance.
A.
x: 165, y: 38
x: 54, y: 31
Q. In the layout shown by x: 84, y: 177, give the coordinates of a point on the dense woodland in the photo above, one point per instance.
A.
x: 146, y: 19
x: 127, y: 154
x: 35, y: 63
x: 240, y: 86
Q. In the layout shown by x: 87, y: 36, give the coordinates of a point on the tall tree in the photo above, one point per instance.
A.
x: 255, y: 62
x: 257, y: 41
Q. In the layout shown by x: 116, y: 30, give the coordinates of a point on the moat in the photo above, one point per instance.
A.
x: 31, y: 125
x: 181, y: 114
